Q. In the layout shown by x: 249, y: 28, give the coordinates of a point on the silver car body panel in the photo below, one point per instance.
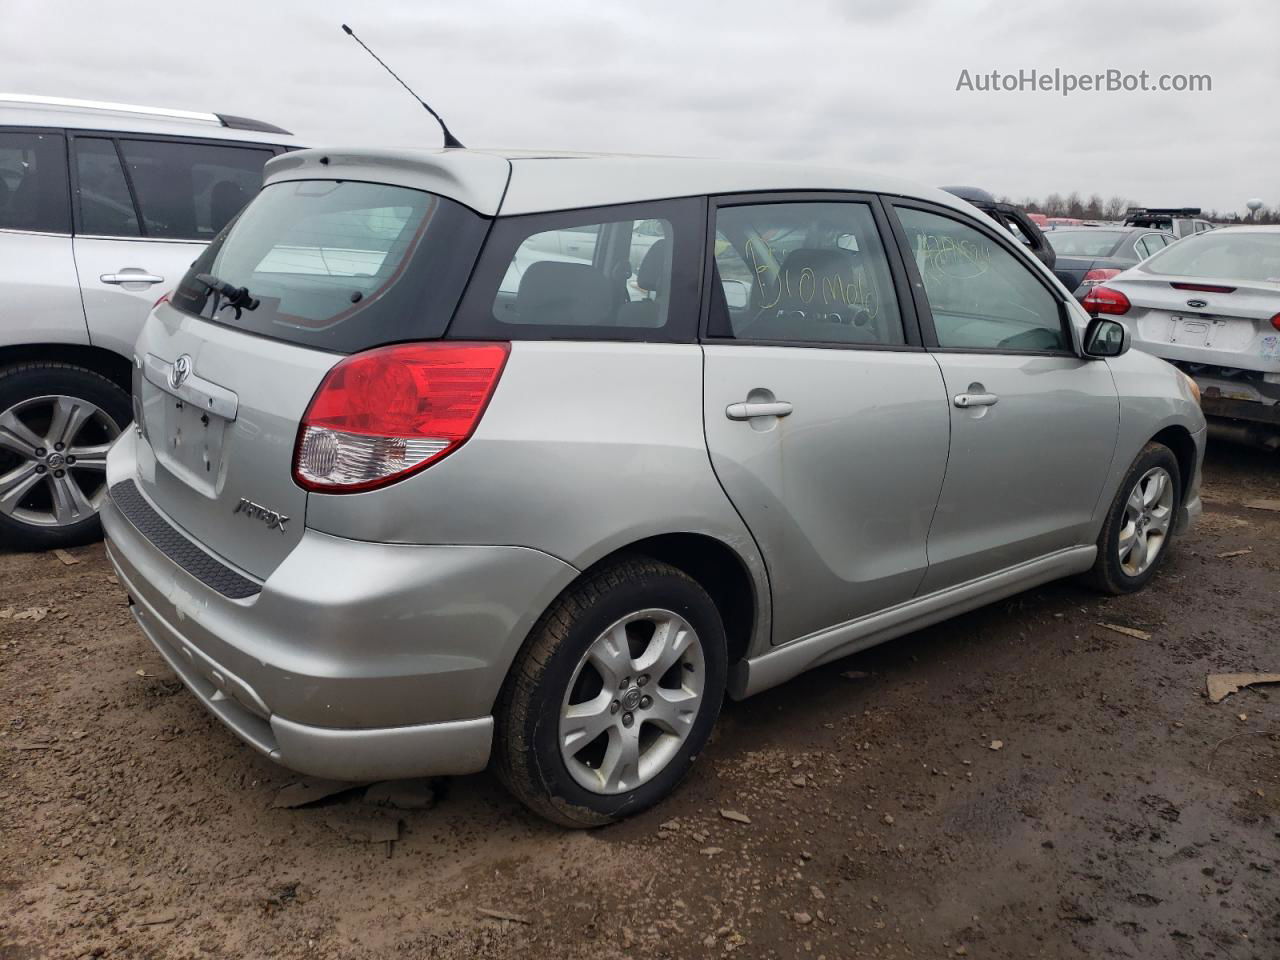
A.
x: 41, y: 298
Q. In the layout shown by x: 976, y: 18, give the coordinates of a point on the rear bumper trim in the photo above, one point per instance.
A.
x: 166, y: 538
x: 380, y: 753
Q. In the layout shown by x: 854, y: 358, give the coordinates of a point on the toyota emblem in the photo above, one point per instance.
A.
x: 180, y: 370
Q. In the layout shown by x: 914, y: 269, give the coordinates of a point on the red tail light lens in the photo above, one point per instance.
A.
x: 383, y: 415
x: 1100, y: 275
x: 1203, y: 287
x: 164, y: 298
x: 1105, y: 300
x: 1275, y: 321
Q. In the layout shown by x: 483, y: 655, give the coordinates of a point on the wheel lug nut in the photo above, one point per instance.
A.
x: 41, y: 468
x: 644, y: 678
x: 59, y: 473
x: 626, y: 682
x: 41, y: 451
x: 615, y: 707
x: 71, y: 459
x: 646, y: 703
x: 58, y: 446
x: 628, y: 719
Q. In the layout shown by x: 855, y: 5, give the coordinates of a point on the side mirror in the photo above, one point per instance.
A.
x: 1105, y: 338
x: 736, y: 294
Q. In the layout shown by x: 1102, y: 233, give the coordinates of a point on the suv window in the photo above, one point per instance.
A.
x: 1148, y: 244
x: 343, y: 266
x: 190, y: 191
x: 615, y: 273
x: 811, y: 272
x: 982, y: 297
x: 106, y: 207
x: 34, y: 194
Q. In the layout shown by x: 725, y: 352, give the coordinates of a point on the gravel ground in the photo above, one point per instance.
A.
x: 1122, y: 814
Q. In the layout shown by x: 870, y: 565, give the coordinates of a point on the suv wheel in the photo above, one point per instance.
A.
x: 1140, y: 525
x: 613, y: 696
x: 56, y: 423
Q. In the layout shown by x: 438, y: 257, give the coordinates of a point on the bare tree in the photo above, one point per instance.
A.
x: 1093, y: 210
x: 1115, y: 207
x: 1053, y: 205
x: 1075, y: 206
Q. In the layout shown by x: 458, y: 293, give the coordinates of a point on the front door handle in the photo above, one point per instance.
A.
x: 129, y: 276
x: 966, y: 400
x: 749, y: 409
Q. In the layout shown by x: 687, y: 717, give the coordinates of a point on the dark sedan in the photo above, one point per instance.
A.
x: 1088, y: 256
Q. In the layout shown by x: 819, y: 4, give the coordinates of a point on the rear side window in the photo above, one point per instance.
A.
x: 34, y: 194
x: 339, y: 265
x: 803, y: 273
x: 190, y: 191
x: 618, y: 273
x: 106, y: 207
x: 981, y: 296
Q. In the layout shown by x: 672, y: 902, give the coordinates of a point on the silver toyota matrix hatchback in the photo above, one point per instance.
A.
x: 449, y: 459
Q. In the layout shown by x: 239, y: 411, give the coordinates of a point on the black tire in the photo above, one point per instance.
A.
x: 1108, y: 575
x: 527, y: 756
x: 25, y: 381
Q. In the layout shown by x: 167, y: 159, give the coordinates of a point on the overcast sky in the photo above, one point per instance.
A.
x: 861, y: 83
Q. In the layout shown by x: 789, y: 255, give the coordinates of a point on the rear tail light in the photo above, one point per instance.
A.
x: 164, y: 298
x: 1203, y: 287
x: 1106, y: 300
x: 1275, y: 321
x: 383, y: 415
x: 1100, y: 275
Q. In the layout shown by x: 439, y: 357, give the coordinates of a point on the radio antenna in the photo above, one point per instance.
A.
x: 449, y: 139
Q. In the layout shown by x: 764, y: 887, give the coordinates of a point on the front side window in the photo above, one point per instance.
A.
x: 338, y: 265
x: 627, y: 272
x: 190, y: 191
x: 982, y: 297
x: 106, y: 206
x: 34, y: 194
x: 812, y: 272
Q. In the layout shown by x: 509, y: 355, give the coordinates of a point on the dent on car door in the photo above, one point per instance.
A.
x: 144, y: 210
x: 1033, y: 424
x: 826, y: 423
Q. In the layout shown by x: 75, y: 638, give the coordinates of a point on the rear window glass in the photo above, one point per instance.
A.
x: 1084, y: 243
x: 339, y: 265
x: 33, y: 183
x: 1223, y: 254
x: 605, y: 273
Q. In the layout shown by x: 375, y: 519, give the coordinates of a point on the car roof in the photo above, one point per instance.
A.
x: 26, y: 110
x: 517, y: 182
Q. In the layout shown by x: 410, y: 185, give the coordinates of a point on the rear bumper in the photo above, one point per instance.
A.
x: 356, y: 660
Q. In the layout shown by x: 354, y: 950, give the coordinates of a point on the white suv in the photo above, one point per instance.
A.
x: 103, y: 207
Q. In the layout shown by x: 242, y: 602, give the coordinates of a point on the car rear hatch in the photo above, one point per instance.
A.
x: 313, y: 270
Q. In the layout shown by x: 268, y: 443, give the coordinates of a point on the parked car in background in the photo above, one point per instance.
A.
x: 1091, y: 255
x: 102, y: 208
x: 407, y: 520
x: 1210, y: 305
x: 1013, y: 218
x: 1180, y: 221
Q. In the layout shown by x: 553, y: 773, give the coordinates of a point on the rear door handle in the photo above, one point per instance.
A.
x: 126, y: 277
x: 745, y: 411
x: 965, y: 400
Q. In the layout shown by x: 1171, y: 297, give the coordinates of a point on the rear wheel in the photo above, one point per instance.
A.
x: 1140, y: 525
x: 56, y: 423
x: 614, y: 695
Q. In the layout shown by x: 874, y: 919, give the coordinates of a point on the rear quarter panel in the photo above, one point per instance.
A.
x: 584, y: 449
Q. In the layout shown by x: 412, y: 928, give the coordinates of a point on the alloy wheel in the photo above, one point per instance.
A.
x: 1148, y: 514
x: 632, y: 701
x: 53, y: 460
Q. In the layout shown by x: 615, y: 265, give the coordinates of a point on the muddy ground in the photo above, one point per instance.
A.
x: 1123, y: 816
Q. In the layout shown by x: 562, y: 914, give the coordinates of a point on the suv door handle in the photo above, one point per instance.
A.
x: 126, y: 277
x: 965, y: 400
x: 749, y: 409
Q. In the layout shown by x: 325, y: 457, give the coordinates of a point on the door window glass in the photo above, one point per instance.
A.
x: 33, y: 183
x: 190, y: 191
x: 106, y: 208
x: 805, y: 273
x: 982, y: 297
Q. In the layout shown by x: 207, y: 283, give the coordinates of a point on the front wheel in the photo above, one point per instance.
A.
x: 1140, y: 524
x: 613, y: 696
